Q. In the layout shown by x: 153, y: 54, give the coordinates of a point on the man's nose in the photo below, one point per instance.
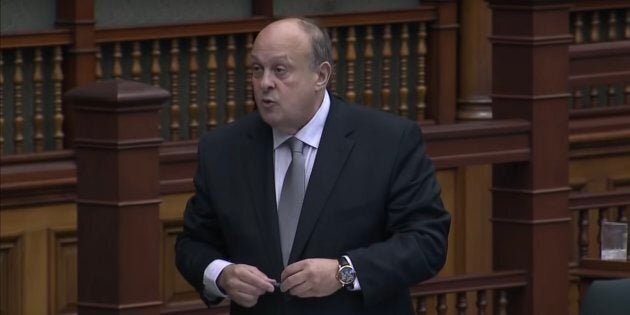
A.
x: 266, y: 81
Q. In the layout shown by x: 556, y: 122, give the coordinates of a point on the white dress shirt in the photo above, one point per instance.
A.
x: 311, y: 135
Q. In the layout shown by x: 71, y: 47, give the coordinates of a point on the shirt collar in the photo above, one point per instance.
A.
x: 311, y: 133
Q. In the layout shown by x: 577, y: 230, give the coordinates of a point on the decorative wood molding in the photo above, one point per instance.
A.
x: 11, y: 261
x: 56, y: 37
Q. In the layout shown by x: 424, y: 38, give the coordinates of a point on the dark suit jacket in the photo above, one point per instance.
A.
x: 372, y: 195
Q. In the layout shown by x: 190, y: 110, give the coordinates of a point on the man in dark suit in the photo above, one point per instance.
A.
x: 311, y: 205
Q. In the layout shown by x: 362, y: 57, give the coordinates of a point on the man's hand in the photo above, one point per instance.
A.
x: 311, y: 278
x: 243, y: 284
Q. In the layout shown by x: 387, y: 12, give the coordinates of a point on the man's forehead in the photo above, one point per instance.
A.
x: 281, y: 57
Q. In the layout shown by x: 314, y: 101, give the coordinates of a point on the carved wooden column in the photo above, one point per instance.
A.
x: 531, y: 230
x: 475, y: 56
x: 80, y: 60
x: 117, y: 143
x: 442, y: 67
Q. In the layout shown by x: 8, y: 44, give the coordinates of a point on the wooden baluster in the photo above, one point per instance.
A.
x: 117, y: 72
x: 482, y: 303
x: 603, y: 217
x: 368, y: 53
x: 577, y: 99
x: 18, y: 119
x: 462, y: 305
x: 622, y: 217
x: 578, y: 31
x: 611, y: 95
x: 441, y: 306
x: 421, y: 305
x: 351, y: 56
x: 249, y: 97
x: 231, y: 81
x: 421, y: 88
x: 612, y: 25
x: 38, y: 117
x: 334, y: 39
x: 595, y: 27
x: 212, y: 83
x: 386, y: 54
x: 403, y: 92
x: 594, y: 96
x: 626, y: 91
x: 174, y: 70
x: 98, y: 65
x: 583, y: 233
x: 1, y: 104
x: 155, y: 64
x: 57, y: 84
x: 627, y: 30
x: 193, y: 108
x: 136, y: 68
x: 503, y: 302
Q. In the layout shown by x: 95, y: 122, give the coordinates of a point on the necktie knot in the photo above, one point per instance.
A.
x: 296, y: 145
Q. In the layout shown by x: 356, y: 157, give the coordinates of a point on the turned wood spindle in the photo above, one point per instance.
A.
x: 612, y: 25
x: 1, y: 104
x: 174, y: 71
x: 38, y: 117
x: 577, y: 99
x: 57, y: 87
x: 503, y: 302
x: 334, y: 39
x: 583, y: 233
x: 611, y: 95
x: 368, y: 54
x: 627, y: 29
x: 136, y: 68
x: 117, y: 72
x: 231, y: 80
x: 193, y: 108
x: 98, y: 65
x: 578, y: 31
x: 594, y: 96
x: 211, y: 67
x: 622, y: 217
x: 441, y: 306
x: 626, y: 92
x: 595, y: 24
x: 386, y: 54
x: 421, y: 305
x: 403, y: 91
x: 482, y: 302
x: 421, y: 88
x: 18, y: 119
x: 462, y: 304
x: 351, y: 56
x: 155, y: 64
x: 249, y: 95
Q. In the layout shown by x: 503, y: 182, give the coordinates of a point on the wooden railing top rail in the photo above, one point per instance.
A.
x: 590, y: 5
x: 36, y: 39
x: 472, y: 282
x: 588, y: 200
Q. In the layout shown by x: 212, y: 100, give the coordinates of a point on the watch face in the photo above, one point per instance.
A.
x: 346, y: 275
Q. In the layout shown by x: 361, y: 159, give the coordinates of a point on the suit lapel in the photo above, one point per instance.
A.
x: 334, y: 148
x: 259, y: 167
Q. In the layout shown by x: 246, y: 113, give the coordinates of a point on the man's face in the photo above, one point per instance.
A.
x: 286, y: 89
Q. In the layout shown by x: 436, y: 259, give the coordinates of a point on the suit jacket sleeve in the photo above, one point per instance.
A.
x: 201, y: 240
x: 417, y: 224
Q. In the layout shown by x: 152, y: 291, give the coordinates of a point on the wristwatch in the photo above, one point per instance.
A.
x: 346, y: 274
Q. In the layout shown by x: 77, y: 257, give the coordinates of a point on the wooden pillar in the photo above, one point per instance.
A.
x: 117, y: 143
x: 80, y: 58
x: 442, y: 67
x: 475, y: 56
x: 531, y: 230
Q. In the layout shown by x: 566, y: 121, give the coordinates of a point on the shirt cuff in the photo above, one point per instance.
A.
x: 210, y: 277
x: 356, y: 286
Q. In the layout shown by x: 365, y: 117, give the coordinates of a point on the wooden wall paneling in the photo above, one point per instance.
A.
x: 447, y: 180
x: 62, y: 272
x: 11, y: 274
x: 36, y: 261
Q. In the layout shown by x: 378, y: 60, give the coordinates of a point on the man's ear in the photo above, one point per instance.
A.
x: 324, y: 71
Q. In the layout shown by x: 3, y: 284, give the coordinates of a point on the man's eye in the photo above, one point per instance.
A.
x: 281, y: 70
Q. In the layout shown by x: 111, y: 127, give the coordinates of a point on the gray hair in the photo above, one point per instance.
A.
x: 320, y: 42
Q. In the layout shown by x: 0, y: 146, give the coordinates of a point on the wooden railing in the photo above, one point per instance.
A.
x: 600, y: 68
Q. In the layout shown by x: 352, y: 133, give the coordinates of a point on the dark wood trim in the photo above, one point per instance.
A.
x: 600, y: 49
x: 587, y: 113
x: 423, y: 13
x: 54, y: 37
x: 582, y: 201
x: 471, y: 282
x: 591, y: 5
